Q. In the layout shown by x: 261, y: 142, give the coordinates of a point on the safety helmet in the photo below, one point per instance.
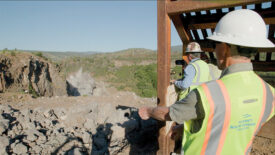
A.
x: 193, y: 47
x: 242, y: 27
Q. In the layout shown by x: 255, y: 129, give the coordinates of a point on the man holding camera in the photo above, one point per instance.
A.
x: 195, y: 73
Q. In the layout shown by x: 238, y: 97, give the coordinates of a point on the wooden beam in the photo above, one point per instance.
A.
x: 206, y: 44
x: 164, y: 55
x: 183, y: 6
x: 271, y: 33
x: 263, y: 66
x: 196, y: 35
x: 204, y: 33
x: 257, y: 57
x: 164, y: 49
x: 271, y: 38
x: 183, y: 34
x: 208, y: 48
x: 213, y: 24
x: 268, y: 50
x: 202, y: 26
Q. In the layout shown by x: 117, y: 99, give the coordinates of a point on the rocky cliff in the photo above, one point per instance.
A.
x: 30, y: 73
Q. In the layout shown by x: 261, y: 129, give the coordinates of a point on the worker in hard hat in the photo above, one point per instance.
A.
x: 195, y: 73
x: 226, y: 114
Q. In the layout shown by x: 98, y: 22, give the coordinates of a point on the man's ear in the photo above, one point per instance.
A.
x: 227, y: 50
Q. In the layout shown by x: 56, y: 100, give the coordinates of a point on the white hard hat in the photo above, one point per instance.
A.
x: 242, y: 27
x: 193, y: 47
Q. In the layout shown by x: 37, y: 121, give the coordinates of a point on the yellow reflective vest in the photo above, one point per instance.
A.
x: 202, y: 75
x: 235, y: 107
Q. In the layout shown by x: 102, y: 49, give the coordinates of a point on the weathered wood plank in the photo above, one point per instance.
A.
x: 204, y: 33
x: 164, y: 56
x: 183, y: 6
x: 263, y: 66
x: 206, y: 44
x: 271, y: 32
x: 164, y: 48
x: 196, y: 35
x: 183, y: 34
x: 213, y: 25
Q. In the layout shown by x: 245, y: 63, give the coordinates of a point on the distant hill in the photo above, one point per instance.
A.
x: 134, y: 50
x: 177, y: 48
x: 57, y: 56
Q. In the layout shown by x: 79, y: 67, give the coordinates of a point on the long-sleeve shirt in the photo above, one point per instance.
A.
x: 189, y: 75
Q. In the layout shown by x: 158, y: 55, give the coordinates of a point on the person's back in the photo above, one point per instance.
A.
x: 202, y: 73
x: 232, y: 115
x: 195, y: 73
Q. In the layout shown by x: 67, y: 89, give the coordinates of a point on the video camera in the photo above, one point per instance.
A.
x: 180, y: 62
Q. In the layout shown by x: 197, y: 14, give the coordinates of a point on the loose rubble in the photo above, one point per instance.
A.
x: 107, y: 129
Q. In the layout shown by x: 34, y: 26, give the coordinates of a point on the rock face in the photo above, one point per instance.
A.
x: 29, y: 73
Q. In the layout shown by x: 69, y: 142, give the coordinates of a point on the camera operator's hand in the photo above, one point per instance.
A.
x: 144, y: 113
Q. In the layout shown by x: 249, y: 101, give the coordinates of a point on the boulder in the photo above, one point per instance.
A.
x: 5, y: 109
x: 86, y: 138
x: 32, y: 134
x: 4, y: 125
x: 20, y: 148
x: 118, y: 140
x: 4, y: 142
x: 37, y: 149
x: 90, y: 124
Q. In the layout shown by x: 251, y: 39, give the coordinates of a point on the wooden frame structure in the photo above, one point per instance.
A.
x: 194, y: 20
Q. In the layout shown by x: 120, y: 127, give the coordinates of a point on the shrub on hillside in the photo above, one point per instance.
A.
x: 40, y: 54
x: 146, y: 77
x: 12, y: 53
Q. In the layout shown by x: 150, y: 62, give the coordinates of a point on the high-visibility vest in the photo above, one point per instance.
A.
x: 236, y: 107
x: 202, y: 75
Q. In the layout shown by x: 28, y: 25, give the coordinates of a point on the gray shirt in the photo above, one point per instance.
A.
x: 190, y: 108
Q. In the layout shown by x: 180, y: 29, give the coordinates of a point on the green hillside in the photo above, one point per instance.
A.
x: 131, y: 69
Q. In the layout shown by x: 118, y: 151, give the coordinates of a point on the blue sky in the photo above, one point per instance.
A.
x: 102, y: 26
x: 79, y: 26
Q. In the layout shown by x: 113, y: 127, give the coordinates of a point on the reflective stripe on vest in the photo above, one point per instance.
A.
x: 219, y: 101
x: 202, y: 72
x: 266, y: 110
x: 201, y: 77
x: 198, y: 72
